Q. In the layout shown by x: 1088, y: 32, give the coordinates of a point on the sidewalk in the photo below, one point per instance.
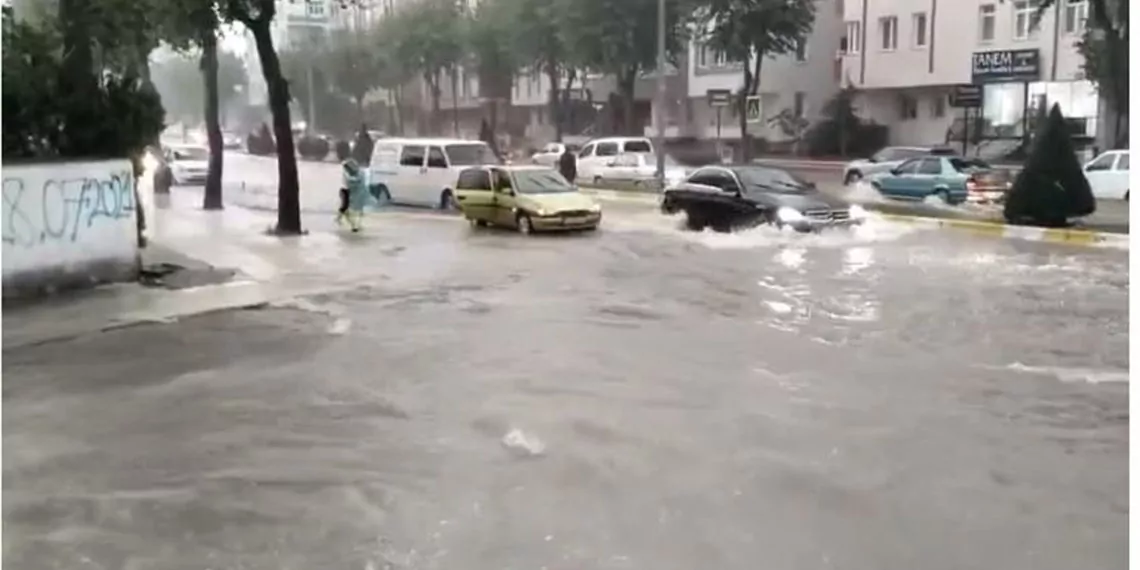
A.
x: 266, y: 269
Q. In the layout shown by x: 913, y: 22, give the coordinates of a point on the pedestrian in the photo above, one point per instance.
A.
x: 354, y: 195
x: 568, y: 165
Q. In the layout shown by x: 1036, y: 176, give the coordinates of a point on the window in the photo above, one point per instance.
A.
x: 938, y: 106
x: 1122, y: 163
x: 1076, y: 14
x: 918, y: 37
x: 587, y: 151
x: 314, y: 8
x: 474, y: 179
x: 889, y: 33
x: 930, y: 166
x: 412, y: 156
x: 908, y: 167
x: 969, y: 164
x: 471, y: 154
x: 436, y: 158
x: 1024, y: 26
x: 987, y: 22
x: 908, y: 107
x: 798, y: 107
x: 709, y: 57
x: 502, y: 180
x: 853, y: 39
x: 706, y: 177
x: 1103, y: 162
x: 637, y: 146
x: 607, y: 149
x: 802, y: 51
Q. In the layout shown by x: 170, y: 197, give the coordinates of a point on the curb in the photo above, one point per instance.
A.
x: 1026, y: 233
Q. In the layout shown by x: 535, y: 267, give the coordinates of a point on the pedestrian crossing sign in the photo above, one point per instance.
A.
x: 752, y: 108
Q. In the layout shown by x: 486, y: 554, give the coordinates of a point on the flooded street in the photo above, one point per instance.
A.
x: 640, y: 398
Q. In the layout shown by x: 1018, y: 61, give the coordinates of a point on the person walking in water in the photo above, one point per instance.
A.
x: 568, y: 165
x: 354, y: 195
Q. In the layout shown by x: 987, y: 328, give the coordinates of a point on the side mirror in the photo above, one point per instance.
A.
x: 895, y: 171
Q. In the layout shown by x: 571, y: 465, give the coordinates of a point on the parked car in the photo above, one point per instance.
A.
x: 886, y: 159
x: 729, y: 197
x: 597, y: 153
x: 953, y: 179
x: 424, y: 171
x: 188, y: 163
x: 527, y: 198
x: 231, y: 141
x: 1108, y: 175
x: 637, y: 171
x: 550, y: 153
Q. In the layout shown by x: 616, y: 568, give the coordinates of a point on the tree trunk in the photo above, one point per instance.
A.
x: 212, y: 197
x: 554, y: 75
x: 627, y: 83
x: 288, y: 188
x: 749, y: 87
x: 433, y: 87
x: 455, y: 100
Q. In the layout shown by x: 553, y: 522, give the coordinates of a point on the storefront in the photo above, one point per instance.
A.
x: 1014, y: 95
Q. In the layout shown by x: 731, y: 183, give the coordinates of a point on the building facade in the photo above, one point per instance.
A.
x: 906, y: 57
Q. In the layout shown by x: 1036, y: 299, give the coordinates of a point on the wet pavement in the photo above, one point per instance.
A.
x: 642, y: 398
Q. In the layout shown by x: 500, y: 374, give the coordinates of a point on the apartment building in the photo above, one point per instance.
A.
x: 906, y: 56
x: 298, y: 22
x: 799, y: 83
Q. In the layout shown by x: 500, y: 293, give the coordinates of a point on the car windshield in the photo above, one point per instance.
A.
x: 772, y: 180
x: 190, y: 153
x: 541, y: 182
x: 470, y: 154
x: 969, y: 164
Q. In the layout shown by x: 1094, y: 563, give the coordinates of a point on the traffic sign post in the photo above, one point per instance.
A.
x: 719, y: 99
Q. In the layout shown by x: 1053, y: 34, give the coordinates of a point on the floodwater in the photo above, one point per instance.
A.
x: 640, y: 398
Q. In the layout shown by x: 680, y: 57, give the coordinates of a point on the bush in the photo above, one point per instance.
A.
x: 343, y: 150
x: 108, y: 115
x: 261, y: 142
x: 1051, y: 188
x: 313, y: 147
x: 841, y: 132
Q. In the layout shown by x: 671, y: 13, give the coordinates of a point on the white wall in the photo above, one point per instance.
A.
x: 67, y: 223
x: 954, y: 36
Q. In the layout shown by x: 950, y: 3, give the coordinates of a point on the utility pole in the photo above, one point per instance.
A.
x: 659, y: 104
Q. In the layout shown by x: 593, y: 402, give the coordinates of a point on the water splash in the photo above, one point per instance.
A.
x: 1072, y: 375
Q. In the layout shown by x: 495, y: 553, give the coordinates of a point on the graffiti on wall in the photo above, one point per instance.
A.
x: 42, y: 210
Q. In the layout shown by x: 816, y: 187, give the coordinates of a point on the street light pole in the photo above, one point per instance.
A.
x: 659, y: 104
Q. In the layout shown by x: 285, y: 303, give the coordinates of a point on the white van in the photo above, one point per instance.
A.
x: 423, y: 172
x: 599, y: 153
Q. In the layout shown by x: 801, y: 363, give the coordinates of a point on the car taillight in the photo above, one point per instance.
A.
x: 971, y: 184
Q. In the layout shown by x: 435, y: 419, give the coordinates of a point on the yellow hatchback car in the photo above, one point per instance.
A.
x: 527, y: 198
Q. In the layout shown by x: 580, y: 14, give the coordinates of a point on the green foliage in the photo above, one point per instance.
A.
x: 492, y: 44
x: 620, y: 36
x: 111, y: 114
x: 430, y: 39
x: 354, y: 65
x: 749, y: 30
x: 343, y: 150
x: 1051, y: 188
x: 313, y: 147
x: 841, y: 132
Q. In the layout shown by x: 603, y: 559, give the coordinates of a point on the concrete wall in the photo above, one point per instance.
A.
x: 67, y: 225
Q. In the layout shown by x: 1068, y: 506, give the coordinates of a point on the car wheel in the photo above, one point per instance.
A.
x: 523, y: 223
x: 943, y: 195
x: 446, y: 201
x: 597, y: 181
x: 852, y: 177
x: 695, y: 222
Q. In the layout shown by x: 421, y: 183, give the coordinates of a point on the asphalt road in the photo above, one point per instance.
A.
x: 889, y: 399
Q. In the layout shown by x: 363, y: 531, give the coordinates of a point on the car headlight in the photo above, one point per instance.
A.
x: 789, y: 215
x: 542, y: 212
x: 596, y: 208
x: 857, y: 212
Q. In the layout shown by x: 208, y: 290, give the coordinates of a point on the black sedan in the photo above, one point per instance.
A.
x: 730, y: 197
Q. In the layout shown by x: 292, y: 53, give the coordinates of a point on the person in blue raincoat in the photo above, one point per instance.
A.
x: 358, y: 196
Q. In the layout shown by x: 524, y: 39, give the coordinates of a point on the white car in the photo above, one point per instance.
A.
x: 1108, y: 175
x: 550, y: 154
x: 423, y: 172
x: 638, y: 170
x: 886, y: 159
x: 599, y: 153
x: 188, y: 163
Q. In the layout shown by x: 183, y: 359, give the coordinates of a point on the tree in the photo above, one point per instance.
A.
x: 619, y: 38
x: 792, y: 126
x: 354, y: 67
x: 495, y: 60
x: 430, y: 44
x: 257, y: 16
x: 541, y: 45
x: 394, y: 72
x: 1051, y: 188
x: 1104, y: 47
x: 747, y: 31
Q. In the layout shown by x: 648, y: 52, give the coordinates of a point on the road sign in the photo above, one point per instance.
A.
x: 752, y: 109
x: 719, y: 97
x: 966, y: 96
